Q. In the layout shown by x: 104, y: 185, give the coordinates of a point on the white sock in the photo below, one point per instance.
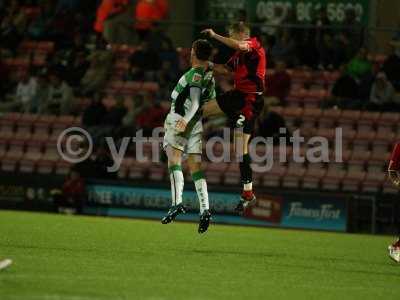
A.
x: 177, y: 183
x: 248, y: 186
x: 202, y: 194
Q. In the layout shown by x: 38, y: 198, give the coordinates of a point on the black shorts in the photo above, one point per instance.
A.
x: 242, y: 109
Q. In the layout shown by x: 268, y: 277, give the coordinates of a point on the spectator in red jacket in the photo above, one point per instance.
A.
x: 73, y: 193
x: 148, y: 12
x: 113, y: 21
x: 279, y: 83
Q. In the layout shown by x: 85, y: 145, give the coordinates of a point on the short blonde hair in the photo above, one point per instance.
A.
x: 239, y: 27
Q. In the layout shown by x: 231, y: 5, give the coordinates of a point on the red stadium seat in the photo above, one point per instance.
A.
x: 329, y: 118
x: 352, y: 181
x: 334, y: 177
x: 232, y: 174
x: 124, y: 167
x: 32, y: 156
x: 214, y: 171
x: 294, y: 175
x: 139, y: 170
x: 373, y: 182
x: 157, y: 172
x: 273, y: 177
x: 389, y: 188
x: 63, y: 167
x: 314, y: 175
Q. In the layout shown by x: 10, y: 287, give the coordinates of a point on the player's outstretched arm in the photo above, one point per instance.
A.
x: 231, y: 43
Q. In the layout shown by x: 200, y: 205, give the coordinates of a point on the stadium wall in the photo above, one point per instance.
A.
x: 275, y: 208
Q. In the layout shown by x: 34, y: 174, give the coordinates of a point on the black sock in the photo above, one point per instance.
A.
x: 246, y: 174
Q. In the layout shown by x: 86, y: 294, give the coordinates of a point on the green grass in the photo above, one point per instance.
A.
x: 86, y: 258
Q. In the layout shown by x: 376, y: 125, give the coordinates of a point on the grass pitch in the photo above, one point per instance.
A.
x: 87, y: 258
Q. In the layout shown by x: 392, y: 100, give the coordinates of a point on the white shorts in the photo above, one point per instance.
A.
x: 188, y: 142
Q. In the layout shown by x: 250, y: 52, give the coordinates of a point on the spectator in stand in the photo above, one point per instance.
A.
x: 144, y: 64
x: 114, y: 21
x: 61, y: 97
x: 92, y: 117
x: 166, y: 77
x: 391, y: 66
x: 101, y: 61
x: 26, y: 91
x: 161, y: 43
x: 152, y: 116
x: 42, y: 25
x: 113, y: 118
x: 147, y: 13
x: 360, y: 67
x: 5, y: 83
x: 382, y: 95
x: 345, y: 92
x: 353, y: 30
x: 278, y: 84
x: 12, y: 27
x: 284, y: 49
x: 73, y: 193
x: 42, y: 94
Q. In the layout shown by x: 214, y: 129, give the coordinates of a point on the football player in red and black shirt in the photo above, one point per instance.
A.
x: 394, y: 175
x: 245, y: 102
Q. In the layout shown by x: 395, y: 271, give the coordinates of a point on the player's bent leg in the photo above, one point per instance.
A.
x: 194, y: 163
x: 177, y: 183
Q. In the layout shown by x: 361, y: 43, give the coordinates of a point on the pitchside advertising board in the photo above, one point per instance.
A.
x: 291, y: 211
x: 268, y: 10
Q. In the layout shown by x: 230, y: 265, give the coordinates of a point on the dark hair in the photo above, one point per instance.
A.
x: 202, y: 49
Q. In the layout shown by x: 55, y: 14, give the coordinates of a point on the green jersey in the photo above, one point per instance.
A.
x: 195, y: 77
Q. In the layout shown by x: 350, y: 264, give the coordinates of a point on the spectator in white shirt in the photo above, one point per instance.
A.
x: 26, y: 91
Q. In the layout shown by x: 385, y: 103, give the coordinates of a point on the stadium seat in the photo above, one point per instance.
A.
x: 45, y: 47
x: 389, y: 188
x: 352, y: 181
x: 292, y: 115
x: 358, y: 160
x: 368, y: 120
x: 31, y: 157
x: 294, y: 175
x: 214, y: 171
x: 41, y: 132
x: 157, y: 172
x: 273, y: 177
x: 314, y: 175
x: 363, y: 139
x: 124, y: 167
x: 14, y: 154
x: 3, y: 147
x: 329, y: 118
x: 232, y: 174
x: 151, y: 87
x: 7, y: 129
x: 63, y: 167
x: 373, y: 182
x: 334, y: 177
x: 139, y: 170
